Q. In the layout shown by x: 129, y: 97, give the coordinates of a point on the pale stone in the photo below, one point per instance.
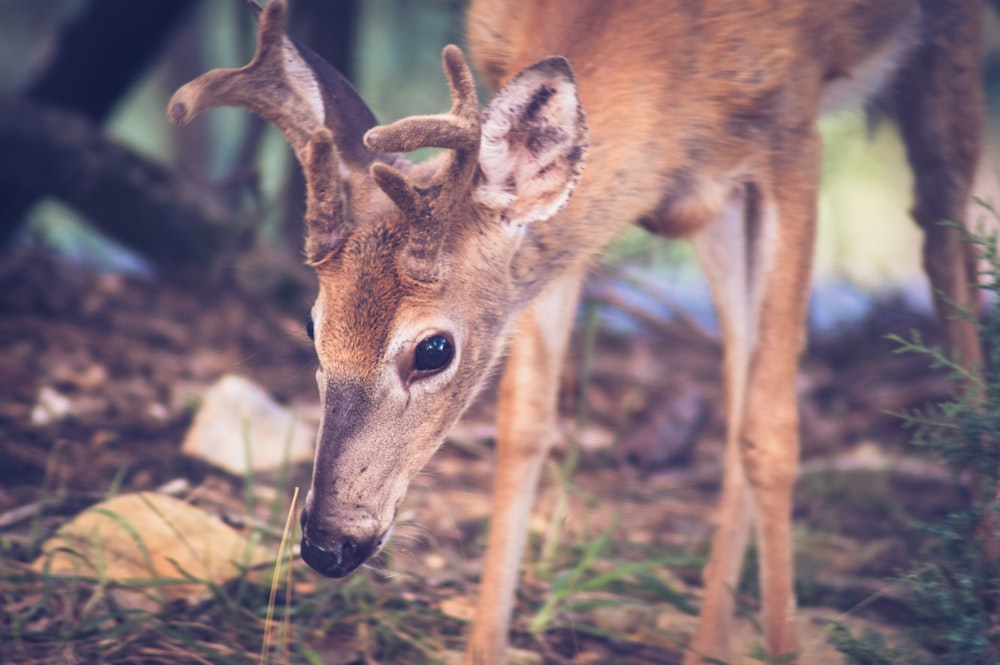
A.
x: 239, y: 427
x: 523, y: 657
x: 435, y: 561
x: 671, y: 628
x: 624, y: 618
x: 51, y: 406
x: 459, y: 607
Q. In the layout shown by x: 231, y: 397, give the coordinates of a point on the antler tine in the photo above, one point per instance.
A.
x: 325, y: 220
x: 465, y: 102
x: 457, y: 130
x: 264, y: 86
x: 316, y: 108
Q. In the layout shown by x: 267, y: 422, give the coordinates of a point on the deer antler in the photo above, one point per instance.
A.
x: 458, y: 130
x: 315, y: 107
x: 326, y: 122
x: 325, y: 218
x: 288, y: 99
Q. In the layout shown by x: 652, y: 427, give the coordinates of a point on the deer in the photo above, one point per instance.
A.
x: 695, y: 120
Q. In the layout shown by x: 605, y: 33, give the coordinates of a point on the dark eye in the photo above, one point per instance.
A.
x: 309, y: 327
x: 433, y: 353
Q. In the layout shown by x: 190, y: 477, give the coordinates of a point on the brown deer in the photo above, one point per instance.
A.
x: 700, y: 122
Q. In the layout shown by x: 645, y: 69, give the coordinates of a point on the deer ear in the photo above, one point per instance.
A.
x: 534, y: 142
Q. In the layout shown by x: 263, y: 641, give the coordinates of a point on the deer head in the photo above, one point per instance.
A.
x: 418, y: 265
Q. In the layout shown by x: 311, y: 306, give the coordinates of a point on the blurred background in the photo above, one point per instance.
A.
x: 238, y: 193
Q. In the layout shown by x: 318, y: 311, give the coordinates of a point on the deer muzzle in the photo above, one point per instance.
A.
x: 334, y: 551
x: 356, y: 486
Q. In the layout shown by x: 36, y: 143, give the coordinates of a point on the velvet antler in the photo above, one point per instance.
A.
x: 322, y: 116
x: 457, y: 130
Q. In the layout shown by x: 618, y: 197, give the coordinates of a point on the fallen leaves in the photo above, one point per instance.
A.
x: 157, y: 548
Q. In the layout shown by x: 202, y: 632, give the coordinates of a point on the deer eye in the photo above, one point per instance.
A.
x: 433, y: 353
x: 309, y: 327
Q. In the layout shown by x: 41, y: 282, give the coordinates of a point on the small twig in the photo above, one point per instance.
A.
x: 20, y: 513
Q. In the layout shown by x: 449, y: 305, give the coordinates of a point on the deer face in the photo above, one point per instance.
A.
x: 418, y: 264
x: 398, y: 362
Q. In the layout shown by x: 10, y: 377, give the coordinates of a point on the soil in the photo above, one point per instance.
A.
x: 643, y: 427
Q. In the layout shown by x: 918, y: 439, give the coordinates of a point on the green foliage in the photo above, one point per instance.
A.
x: 759, y: 654
x: 954, y: 587
x: 55, y: 618
x: 870, y: 649
x: 623, y: 578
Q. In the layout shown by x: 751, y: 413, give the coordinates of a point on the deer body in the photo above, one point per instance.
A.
x: 700, y: 121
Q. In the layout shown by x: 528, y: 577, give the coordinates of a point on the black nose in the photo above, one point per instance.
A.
x: 337, y: 556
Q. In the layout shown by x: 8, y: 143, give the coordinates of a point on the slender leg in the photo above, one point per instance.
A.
x: 770, y: 440
x: 940, y: 110
x: 722, y: 253
x: 758, y: 260
x: 525, y: 429
x: 940, y: 117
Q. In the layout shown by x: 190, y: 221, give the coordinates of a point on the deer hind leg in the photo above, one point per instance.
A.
x: 757, y: 258
x: 940, y: 114
x: 722, y: 252
x: 940, y: 117
x: 526, y: 418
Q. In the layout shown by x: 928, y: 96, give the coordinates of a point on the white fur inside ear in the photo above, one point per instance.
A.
x: 534, y: 142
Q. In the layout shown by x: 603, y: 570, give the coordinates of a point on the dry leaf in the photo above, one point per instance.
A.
x: 145, y: 537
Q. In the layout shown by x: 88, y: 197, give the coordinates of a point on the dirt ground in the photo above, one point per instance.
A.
x: 643, y: 424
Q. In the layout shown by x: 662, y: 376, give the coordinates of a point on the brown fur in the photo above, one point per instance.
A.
x: 698, y: 119
x: 699, y: 108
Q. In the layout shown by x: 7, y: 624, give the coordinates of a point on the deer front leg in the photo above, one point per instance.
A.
x: 526, y: 419
x: 722, y: 250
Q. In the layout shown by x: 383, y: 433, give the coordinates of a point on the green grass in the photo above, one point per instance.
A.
x: 54, y: 618
x: 48, y: 618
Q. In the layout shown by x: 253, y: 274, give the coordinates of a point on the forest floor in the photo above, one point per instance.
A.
x: 617, y: 537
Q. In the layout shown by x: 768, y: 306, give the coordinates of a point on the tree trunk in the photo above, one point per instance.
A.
x: 100, y: 54
x: 141, y: 203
